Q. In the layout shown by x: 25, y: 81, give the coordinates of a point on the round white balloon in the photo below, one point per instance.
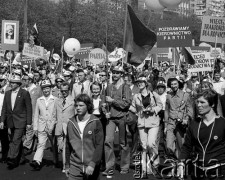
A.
x: 154, y: 5
x: 170, y: 3
x: 72, y: 46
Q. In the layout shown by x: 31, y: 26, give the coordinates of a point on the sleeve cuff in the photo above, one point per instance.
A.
x: 92, y: 164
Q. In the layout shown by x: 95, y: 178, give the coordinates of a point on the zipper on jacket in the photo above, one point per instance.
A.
x: 204, y: 150
x: 82, y: 152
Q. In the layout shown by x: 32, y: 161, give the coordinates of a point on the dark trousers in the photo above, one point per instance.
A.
x: 109, y: 144
x: 4, y: 142
x: 134, y: 137
x: 15, y: 143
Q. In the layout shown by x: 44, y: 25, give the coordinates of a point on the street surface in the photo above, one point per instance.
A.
x: 49, y: 172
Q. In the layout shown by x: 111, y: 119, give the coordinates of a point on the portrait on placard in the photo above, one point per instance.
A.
x: 9, y: 33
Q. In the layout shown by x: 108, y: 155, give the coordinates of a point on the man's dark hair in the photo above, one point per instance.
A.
x: 211, y: 96
x: 86, y: 100
x: 80, y: 70
x: 66, y: 84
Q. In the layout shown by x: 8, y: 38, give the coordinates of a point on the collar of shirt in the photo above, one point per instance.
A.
x: 48, y: 98
x: 178, y: 93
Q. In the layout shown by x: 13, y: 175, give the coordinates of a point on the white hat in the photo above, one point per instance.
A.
x: 17, y: 72
x: 59, y: 77
x: 46, y: 83
x: 56, y: 57
x: 15, y: 78
x: 30, y: 75
x: 141, y: 79
x: 66, y: 73
x: 2, y: 76
x: 71, y: 68
x: 119, y: 69
x: 25, y: 66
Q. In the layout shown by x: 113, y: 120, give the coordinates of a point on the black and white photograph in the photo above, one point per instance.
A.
x: 112, y: 89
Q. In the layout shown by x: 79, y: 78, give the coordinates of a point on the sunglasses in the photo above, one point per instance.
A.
x: 102, y: 75
x: 116, y: 72
x: 62, y: 91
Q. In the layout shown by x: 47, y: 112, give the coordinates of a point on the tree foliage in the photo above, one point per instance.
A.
x: 92, y: 22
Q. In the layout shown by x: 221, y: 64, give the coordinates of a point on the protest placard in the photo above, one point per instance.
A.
x: 203, y: 62
x: 174, y: 34
x: 117, y: 54
x: 33, y: 51
x: 211, y: 27
x: 97, y: 56
x: 10, y: 35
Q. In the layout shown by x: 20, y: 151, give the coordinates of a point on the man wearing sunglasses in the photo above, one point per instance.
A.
x: 118, y: 97
x: 83, y: 86
x: 58, y: 82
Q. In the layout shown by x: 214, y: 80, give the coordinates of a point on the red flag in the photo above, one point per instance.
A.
x: 139, y: 40
x: 186, y: 52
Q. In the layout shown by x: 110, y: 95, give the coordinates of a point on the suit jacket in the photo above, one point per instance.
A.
x: 63, y: 114
x: 45, y: 116
x: 35, y: 93
x: 77, y: 88
x: 144, y: 120
x: 21, y: 115
x: 135, y: 90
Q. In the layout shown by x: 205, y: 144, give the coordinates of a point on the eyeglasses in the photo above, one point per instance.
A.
x: 62, y: 91
x: 102, y: 75
x: 116, y: 72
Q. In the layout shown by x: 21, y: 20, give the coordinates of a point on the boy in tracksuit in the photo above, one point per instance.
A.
x: 84, y: 142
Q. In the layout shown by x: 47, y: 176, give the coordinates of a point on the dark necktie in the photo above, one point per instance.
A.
x: 82, y: 88
x: 64, y: 102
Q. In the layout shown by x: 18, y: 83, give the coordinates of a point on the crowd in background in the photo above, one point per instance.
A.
x: 78, y: 110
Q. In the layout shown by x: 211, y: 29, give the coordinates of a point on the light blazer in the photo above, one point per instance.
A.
x: 77, y: 88
x: 45, y: 116
x: 151, y: 120
x: 63, y: 114
x: 35, y: 93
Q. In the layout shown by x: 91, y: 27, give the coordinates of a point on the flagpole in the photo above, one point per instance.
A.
x: 124, y: 34
x: 62, y: 58
x: 214, y: 59
x: 106, y: 61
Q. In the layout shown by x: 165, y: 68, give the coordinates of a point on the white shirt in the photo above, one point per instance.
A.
x: 82, y: 125
x: 219, y: 87
x: 13, y: 97
x: 163, y: 99
x: 96, y: 106
x: 47, y: 99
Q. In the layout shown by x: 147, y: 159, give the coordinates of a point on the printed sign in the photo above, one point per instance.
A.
x: 203, y: 62
x: 33, y: 51
x: 116, y: 55
x: 10, y: 35
x: 97, y: 56
x: 174, y: 34
x: 211, y: 27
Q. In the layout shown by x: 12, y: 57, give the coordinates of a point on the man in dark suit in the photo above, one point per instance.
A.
x: 3, y: 132
x: 17, y: 116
